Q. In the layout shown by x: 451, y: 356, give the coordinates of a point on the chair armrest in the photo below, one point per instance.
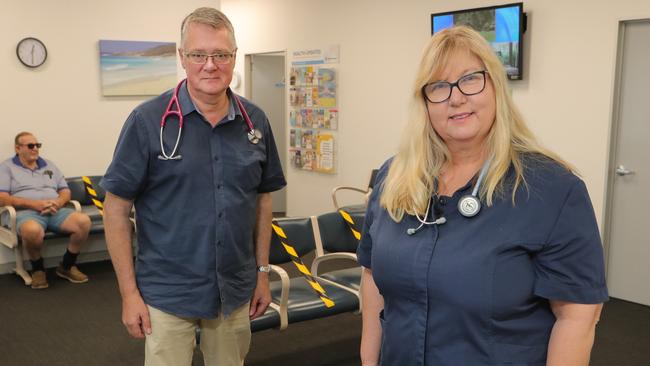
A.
x: 10, y: 222
x: 284, y: 296
x: 8, y: 234
x: 336, y: 204
x: 74, y: 204
x: 330, y: 256
x: 334, y: 256
x: 132, y: 218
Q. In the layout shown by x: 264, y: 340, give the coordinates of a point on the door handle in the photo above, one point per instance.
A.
x: 623, y: 171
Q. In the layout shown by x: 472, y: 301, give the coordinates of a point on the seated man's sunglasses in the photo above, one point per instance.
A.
x: 32, y: 146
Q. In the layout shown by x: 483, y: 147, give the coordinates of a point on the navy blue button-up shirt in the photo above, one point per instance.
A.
x: 195, y: 216
x: 474, y: 291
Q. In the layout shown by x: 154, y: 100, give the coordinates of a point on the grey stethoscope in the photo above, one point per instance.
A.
x: 469, y: 205
x: 254, y: 135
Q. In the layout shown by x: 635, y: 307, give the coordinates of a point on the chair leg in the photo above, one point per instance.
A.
x: 20, y: 267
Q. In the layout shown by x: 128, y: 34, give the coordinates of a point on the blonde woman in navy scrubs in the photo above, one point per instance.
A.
x: 503, y: 263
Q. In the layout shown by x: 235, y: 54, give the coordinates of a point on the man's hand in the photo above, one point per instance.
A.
x: 56, y: 203
x: 261, y: 297
x: 45, y: 207
x: 135, y: 316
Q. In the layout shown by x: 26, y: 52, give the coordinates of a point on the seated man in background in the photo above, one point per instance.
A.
x: 38, y: 191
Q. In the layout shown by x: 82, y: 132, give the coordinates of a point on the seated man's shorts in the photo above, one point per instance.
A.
x: 48, y: 222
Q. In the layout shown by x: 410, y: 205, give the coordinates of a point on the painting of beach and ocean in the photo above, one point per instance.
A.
x: 137, y: 67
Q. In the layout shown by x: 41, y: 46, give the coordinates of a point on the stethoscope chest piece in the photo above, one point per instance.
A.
x: 254, y: 136
x: 469, y: 206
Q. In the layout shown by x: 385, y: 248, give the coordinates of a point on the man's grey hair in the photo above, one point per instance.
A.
x: 21, y: 134
x: 208, y: 16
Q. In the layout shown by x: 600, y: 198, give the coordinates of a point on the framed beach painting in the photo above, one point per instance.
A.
x: 137, y: 67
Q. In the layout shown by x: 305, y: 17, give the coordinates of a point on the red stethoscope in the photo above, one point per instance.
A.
x: 254, y: 135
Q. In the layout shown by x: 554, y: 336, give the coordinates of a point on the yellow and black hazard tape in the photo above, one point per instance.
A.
x: 350, y: 222
x: 93, y: 194
x: 301, y: 266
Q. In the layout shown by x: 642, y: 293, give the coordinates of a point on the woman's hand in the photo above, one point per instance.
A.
x: 371, y: 333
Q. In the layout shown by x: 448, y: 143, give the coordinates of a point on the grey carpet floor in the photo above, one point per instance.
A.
x: 78, y: 325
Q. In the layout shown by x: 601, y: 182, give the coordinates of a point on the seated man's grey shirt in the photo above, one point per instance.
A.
x: 42, y: 183
x: 195, y: 215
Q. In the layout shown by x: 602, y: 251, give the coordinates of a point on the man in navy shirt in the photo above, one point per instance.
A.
x: 203, y: 207
x: 39, y: 192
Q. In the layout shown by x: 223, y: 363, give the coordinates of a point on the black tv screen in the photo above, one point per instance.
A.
x: 502, y: 26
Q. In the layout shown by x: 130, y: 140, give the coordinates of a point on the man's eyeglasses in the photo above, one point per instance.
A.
x: 219, y: 58
x: 32, y: 146
x: 440, y: 91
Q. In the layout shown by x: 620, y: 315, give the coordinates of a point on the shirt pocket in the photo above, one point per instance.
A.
x: 244, y: 170
x: 172, y: 170
x: 48, y: 179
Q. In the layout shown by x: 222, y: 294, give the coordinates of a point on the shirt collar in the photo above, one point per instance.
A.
x: 234, y: 108
x: 40, y: 162
x: 188, y: 106
x: 468, y: 186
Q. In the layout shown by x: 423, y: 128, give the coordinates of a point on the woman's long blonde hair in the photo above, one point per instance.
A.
x: 422, y: 153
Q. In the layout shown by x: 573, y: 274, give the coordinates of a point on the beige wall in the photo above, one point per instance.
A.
x: 566, y: 94
x: 61, y: 101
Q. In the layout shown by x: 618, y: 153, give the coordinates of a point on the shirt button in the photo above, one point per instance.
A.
x: 218, y: 243
x: 218, y: 186
x: 442, y: 201
x: 216, y: 158
x: 220, y: 214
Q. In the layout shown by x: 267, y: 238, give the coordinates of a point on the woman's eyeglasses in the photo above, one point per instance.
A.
x: 440, y: 91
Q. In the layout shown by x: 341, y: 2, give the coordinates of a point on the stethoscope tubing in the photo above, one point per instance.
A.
x: 243, y: 112
x: 481, y: 175
x: 169, y: 112
x: 253, y: 135
x: 474, y: 195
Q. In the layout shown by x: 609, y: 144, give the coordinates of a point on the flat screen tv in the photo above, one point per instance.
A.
x: 502, y: 26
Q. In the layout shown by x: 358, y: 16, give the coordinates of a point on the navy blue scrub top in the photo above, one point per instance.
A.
x: 195, y: 216
x: 475, y: 291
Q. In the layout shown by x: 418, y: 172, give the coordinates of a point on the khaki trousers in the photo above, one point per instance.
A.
x: 224, y: 342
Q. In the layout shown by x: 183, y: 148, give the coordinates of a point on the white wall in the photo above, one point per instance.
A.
x: 61, y: 101
x: 566, y: 96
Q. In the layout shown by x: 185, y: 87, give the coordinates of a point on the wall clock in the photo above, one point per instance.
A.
x: 31, y: 52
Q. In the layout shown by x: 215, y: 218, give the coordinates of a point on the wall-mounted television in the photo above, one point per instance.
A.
x: 503, y: 26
